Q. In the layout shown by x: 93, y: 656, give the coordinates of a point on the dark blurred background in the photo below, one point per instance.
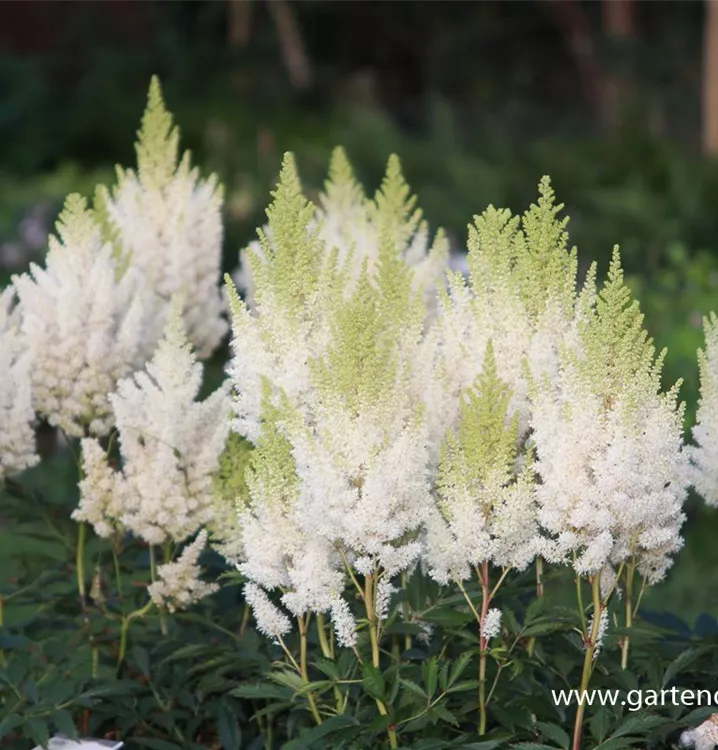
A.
x: 617, y: 100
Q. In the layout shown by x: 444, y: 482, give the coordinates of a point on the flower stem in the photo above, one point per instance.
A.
x: 588, y: 659
x: 408, y: 641
x: 153, y: 576
x: 539, y: 594
x: 328, y: 654
x: 625, y: 643
x: 125, y: 629
x: 303, y: 624
x: 246, y: 614
x: 80, y: 562
x: 322, y: 634
x: 370, y: 603
x: 483, y: 643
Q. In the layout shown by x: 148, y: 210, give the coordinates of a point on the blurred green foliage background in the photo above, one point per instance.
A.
x: 479, y: 100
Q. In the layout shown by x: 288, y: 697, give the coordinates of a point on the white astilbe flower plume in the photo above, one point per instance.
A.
x: 168, y: 225
x: 602, y: 627
x: 170, y: 447
x: 270, y: 620
x: 179, y: 585
x: 520, y: 295
x: 704, y: 455
x: 351, y: 225
x: 354, y: 226
x: 609, y: 445
x: 82, y: 323
x: 486, y: 511
x: 491, y: 625
x: 276, y: 552
x: 339, y: 474
x: 17, y: 438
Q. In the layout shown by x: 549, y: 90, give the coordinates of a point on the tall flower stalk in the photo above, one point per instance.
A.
x: 609, y: 447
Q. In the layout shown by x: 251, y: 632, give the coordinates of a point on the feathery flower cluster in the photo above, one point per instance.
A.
x: 170, y: 447
x: 385, y: 434
x: 609, y: 444
x: 602, y: 628
x: 167, y: 224
x: 179, y: 585
x: 339, y: 472
x: 486, y: 510
x: 17, y: 438
x: 704, y: 455
x: 495, y: 334
x: 519, y: 295
x: 82, y: 324
x: 351, y: 225
x: 491, y: 626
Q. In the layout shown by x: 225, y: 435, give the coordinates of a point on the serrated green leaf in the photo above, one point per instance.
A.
x: 430, y: 670
x: 413, y: 688
x: 639, y: 725
x: 331, y: 725
x: 680, y: 663
x: 554, y: 733
x: 599, y: 723
x: 373, y: 682
x: 264, y: 690
x: 37, y: 730
x: 230, y: 735
x: 458, y: 667
x: 444, y: 714
x: 64, y: 723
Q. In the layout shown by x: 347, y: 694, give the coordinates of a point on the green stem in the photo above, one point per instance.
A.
x: 327, y: 653
x: 118, y: 578
x: 246, y: 614
x: 588, y: 660
x: 124, y: 629
x: 625, y: 643
x: 483, y: 643
x: 153, y: 576
x: 303, y: 624
x: 370, y: 603
x: 579, y: 597
x: 539, y: 594
x: 80, y: 562
x: 322, y: 634
x: 408, y: 640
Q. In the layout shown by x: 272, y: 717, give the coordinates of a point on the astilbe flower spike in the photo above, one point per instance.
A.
x: 704, y: 455
x: 323, y: 366
x: 179, y: 584
x: 486, y: 508
x: 350, y: 225
x: 82, y: 323
x: 165, y: 222
x: 17, y: 437
x: 170, y: 447
x: 609, y: 445
x: 520, y: 294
